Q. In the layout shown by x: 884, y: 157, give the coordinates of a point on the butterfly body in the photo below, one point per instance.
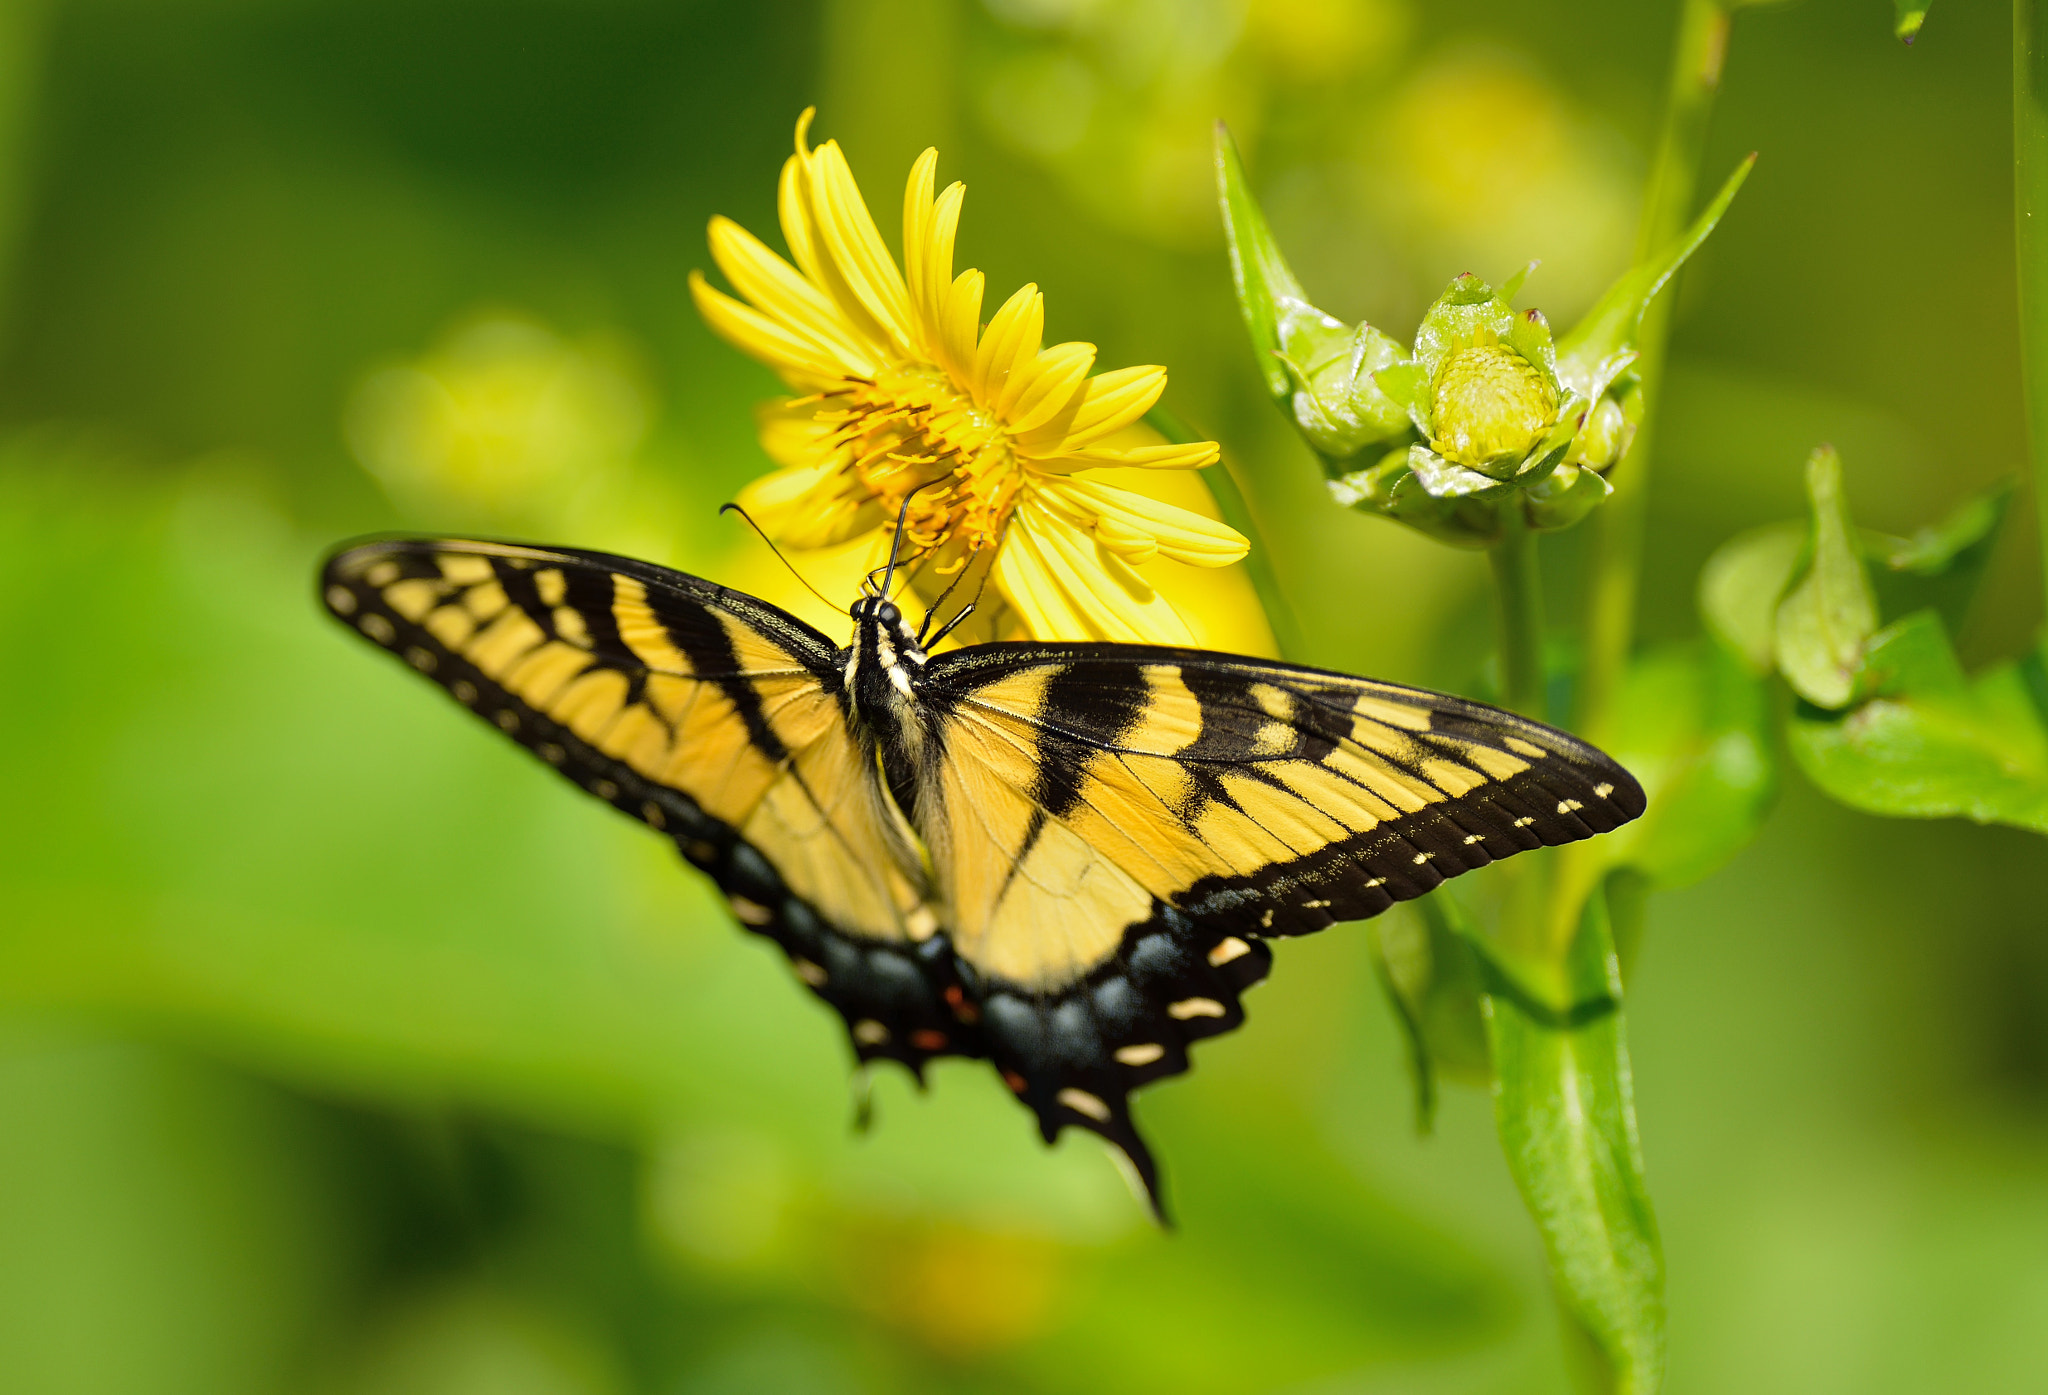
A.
x: 1065, y: 858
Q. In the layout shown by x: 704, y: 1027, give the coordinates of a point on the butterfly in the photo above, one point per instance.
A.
x: 1066, y: 859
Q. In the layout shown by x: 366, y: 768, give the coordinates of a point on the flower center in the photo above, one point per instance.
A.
x: 1491, y: 406
x: 908, y: 430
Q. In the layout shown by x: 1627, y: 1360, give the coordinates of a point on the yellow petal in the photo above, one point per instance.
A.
x: 801, y: 362
x: 936, y: 251
x: 792, y: 434
x: 1113, y: 401
x: 1011, y: 339
x: 780, y: 293
x: 813, y: 506
x: 852, y: 247
x: 959, y: 323
x: 793, y: 205
x: 1066, y: 586
x: 1046, y: 387
x: 1136, y: 527
x: 1164, y: 457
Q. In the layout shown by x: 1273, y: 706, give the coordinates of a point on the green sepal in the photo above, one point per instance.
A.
x: 1830, y: 610
x: 1425, y: 962
x: 1406, y: 384
x: 1468, y: 309
x: 1909, y: 15
x: 1610, y: 327
x: 1932, y: 742
x: 1447, y: 480
x: 1314, y: 366
x: 1566, y: 496
x: 1389, y: 488
x: 1564, y: 1107
x: 1529, y: 333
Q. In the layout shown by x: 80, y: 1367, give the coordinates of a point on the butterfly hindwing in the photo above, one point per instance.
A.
x: 1207, y: 802
x: 704, y: 712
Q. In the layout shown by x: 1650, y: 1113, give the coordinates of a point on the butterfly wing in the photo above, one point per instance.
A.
x: 1116, y: 829
x: 710, y: 715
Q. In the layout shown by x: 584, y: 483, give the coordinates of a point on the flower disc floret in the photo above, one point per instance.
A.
x: 1491, y: 407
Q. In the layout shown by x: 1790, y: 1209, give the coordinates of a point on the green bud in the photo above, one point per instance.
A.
x: 1317, y: 368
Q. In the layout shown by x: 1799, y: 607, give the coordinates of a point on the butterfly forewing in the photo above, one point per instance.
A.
x: 708, y: 714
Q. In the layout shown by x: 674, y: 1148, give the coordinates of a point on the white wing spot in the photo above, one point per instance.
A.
x: 1565, y: 806
x: 1421, y: 858
x: 377, y: 627
x: 464, y: 690
x: 1231, y: 947
x: 550, y: 752
x: 1266, y: 920
x: 810, y: 973
x: 651, y: 812
x: 1195, y: 1007
x: 341, y: 600
x: 752, y: 912
x: 1314, y: 905
x: 1081, y: 1102
x: 381, y: 574
x: 604, y: 789
x: 1471, y: 838
x: 1376, y: 881
x: 1143, y: 1055
x: 869, y: 1032
x: 1603, y: 790
x: 507, y: 720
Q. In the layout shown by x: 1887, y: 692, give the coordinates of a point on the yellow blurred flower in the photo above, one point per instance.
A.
x: 996, y: 441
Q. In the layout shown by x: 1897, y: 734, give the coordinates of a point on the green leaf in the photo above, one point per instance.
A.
x: 1563, y: 1104
x: 1694, y: 726
x: 1313, y: 364
x: 1610, y: 327
x: 1262, y: 275
x: 1427, y: 968
x: 1740, y: 588
x: 1911, y: 14
x: 1940, y: 566
x: 1830, y: 611
x: 1933, y: 743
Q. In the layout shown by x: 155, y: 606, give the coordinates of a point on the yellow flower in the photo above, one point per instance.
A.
x: 903, y: 393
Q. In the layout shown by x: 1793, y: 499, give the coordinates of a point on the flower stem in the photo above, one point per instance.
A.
x: 1518, y: 585
x: 2030, y: 216
x: 1617, y: 540
x: 1237, y: 512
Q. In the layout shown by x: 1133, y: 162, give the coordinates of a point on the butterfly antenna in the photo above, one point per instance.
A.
x: 968, y: 609
x: 896, y: 542
x: 735, y: 508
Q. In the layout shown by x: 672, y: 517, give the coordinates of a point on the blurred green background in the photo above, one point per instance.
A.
x: 343, y: 1050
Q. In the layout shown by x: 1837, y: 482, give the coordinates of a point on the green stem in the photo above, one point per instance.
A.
x: 1617, y: 539
x: 1237, y: 512
x: 1518, y: 585
x: 2030, y: 216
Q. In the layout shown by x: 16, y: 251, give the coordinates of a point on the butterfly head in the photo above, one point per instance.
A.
x: 884, y: 660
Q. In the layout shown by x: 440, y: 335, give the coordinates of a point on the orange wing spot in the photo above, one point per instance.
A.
x: 925, y: 1039
x: 962, y: 1009
x: 1017, y: 1083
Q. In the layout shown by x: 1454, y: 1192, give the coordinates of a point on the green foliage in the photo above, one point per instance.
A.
x: 1830, y: 609
x: 1563, y: 1101
x: 1888, y: 721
